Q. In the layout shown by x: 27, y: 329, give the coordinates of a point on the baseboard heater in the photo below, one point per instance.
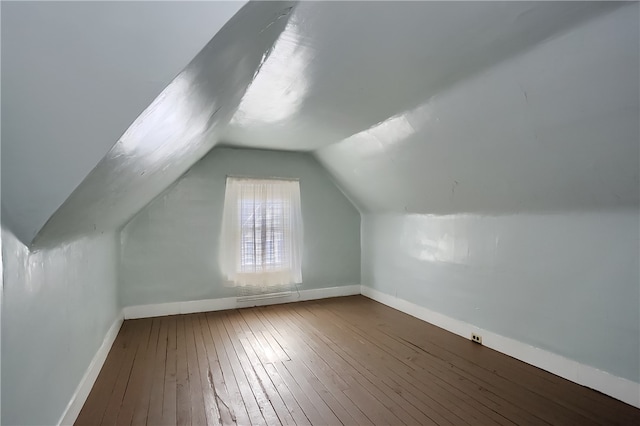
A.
x: 255, y: 297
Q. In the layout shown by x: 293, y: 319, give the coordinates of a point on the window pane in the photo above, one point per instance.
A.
x: 263, y: 244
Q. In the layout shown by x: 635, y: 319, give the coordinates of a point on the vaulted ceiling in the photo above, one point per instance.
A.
x: 431, y: 107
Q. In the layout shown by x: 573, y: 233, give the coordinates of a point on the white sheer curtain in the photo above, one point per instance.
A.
x: 261, y: 239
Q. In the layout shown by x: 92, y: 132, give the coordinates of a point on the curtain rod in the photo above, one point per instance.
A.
x: 263, y: 177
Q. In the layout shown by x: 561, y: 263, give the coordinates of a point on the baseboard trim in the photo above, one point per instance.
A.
x: 617, y: 387
x: 208, y: 305
x: 81, y: 394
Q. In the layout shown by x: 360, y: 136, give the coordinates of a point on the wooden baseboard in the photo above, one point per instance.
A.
x: 81, y: 394
x: 208, y: 305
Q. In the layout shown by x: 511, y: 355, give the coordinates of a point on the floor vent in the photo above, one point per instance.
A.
x: 263, y: 296
x: 251, y: 293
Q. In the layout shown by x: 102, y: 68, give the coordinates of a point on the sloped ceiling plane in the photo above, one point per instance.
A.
x: 403, y: 103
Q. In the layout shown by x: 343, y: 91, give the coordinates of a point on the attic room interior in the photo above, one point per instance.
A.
x: 320, y: 213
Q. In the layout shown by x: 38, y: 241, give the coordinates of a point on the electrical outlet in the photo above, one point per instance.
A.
x: 476, y: 338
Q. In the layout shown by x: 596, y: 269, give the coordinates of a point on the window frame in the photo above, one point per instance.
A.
x: 274, y: 256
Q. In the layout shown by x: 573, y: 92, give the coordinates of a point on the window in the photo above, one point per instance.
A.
x: 262, y: 224
x: 261, y: 242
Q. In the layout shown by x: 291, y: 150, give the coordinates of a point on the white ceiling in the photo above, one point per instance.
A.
x: 341, y: 67
x: 426, y: 107
x: 457, y: 107
x: 554, y: 129
x: 75, y: 75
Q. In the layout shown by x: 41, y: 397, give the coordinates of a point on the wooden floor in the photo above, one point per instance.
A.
x: 338, y: 361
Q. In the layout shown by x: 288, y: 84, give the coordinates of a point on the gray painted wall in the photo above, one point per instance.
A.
x: 169, y: 250
x: 58, y: 306
x: 566, y: 282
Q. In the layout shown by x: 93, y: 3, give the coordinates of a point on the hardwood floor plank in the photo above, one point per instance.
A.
x: 332, y: 378
x: 235, y: 403
x: 560, y: 390
x: 115, y: 399
x: 433, y: 385
x: 278, y: 382
x: 141, y: 408
x: 305, y: 377
x: 473, y: 378
x: 169, y: 397
x: 546, y: 385
x: 316, y: 411
x: 214, y: 377
x: 136, y: 379
x: 198, y: 415
x: 94, y: 408
x: 255, y: 384
x: 250, y: 402
x: 156, y: 396
x: 280, y: 354
x: 210, y: 407
x: 251, y: 346
x: 393, y: 411
x: 300, y: 384
x: 296, y: 411
x: 450, y: 381
x: 336, y: 361
x: 183, y: 395
x: 373, y: 383
x: 464, y: 361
